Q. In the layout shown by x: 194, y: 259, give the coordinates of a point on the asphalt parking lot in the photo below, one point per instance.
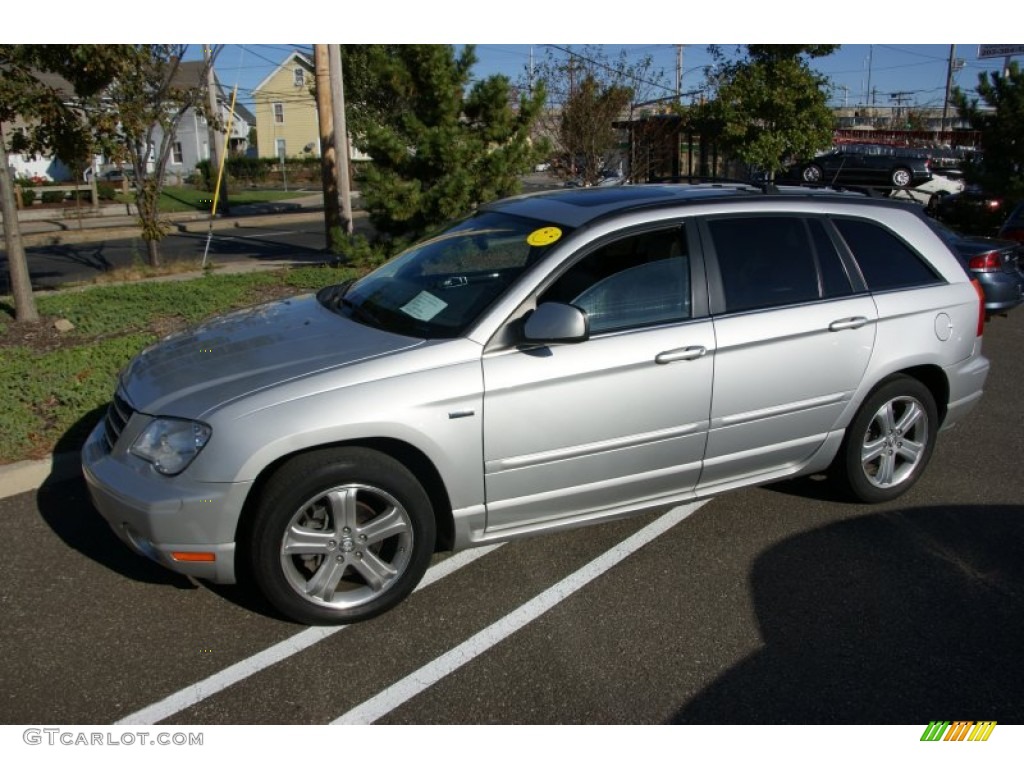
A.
x: 770, y: 605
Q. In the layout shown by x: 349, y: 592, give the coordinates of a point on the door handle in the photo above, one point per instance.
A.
x: 683, y: 353
x: 847, y: 323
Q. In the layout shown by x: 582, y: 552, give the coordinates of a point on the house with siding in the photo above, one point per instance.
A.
x: 191, y: 143
x: 286, y: 114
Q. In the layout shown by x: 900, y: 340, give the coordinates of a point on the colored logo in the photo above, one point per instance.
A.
x: 959, y: 730
x: 544, y: 236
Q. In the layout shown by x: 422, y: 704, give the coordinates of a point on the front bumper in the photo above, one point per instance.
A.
x: 165, y: 518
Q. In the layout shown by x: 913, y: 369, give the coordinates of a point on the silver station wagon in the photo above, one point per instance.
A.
x: 553, y: 360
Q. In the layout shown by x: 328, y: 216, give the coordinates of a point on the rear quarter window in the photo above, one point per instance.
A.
x: 886, y: 262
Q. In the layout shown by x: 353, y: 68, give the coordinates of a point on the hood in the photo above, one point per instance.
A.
x: 189, y: 373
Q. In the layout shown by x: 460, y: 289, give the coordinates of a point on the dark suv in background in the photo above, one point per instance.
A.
x: 867, y: 165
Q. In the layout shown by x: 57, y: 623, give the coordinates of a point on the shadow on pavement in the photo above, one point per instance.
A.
x: 66, y: 508
x: 895, y: 618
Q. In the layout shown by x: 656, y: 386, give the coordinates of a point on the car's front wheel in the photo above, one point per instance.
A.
x: 889, y: 442
x: 340, y: 535
x: 901, y: 177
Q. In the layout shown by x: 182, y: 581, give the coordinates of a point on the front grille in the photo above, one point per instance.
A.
x: 118, y: 414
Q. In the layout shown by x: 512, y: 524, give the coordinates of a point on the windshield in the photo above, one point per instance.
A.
x: 439, y: 287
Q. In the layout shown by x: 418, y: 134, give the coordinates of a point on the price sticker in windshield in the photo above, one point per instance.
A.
x: 544, y: 236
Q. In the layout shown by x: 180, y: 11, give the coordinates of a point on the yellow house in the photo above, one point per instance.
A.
x: 286, y: 117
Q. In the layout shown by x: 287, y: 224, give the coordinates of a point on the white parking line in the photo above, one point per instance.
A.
x: 375, y: 708
x: 196, y: 693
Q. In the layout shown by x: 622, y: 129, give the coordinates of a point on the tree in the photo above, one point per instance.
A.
x: 153, y: 91
x: 43, y: 87
x: 773, y: 106
x: 1000, y: 169
x: 438, y: 147
x: 587, y: 93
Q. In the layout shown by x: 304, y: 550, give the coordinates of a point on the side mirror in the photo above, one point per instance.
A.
x: 556, y: 323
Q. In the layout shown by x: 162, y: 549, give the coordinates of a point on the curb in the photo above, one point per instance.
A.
x: 25, y: 476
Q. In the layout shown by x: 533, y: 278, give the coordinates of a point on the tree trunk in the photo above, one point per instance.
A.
x: 17, y: 264
x: 153, y: 251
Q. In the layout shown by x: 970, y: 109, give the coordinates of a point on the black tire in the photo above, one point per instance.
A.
x: 901, y: 177
x: 889, y: 442
x: 812, y: 174
x: 360, y: 530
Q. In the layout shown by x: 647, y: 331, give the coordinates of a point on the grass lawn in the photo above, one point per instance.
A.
x: 55, y: 386
x: 184, y: 199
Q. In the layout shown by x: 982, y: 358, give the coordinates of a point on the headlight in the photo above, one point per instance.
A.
x: 171, y: 444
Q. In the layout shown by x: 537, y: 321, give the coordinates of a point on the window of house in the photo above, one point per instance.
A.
x: 177, y: 156
x: 300, y: 76
x: 278, y: 112
x: 279, y: 148
x: 636, y: 281
x: 885, y: 261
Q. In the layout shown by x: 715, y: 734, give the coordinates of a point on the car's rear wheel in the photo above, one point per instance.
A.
x: 340, y: 535
x: 901, y: 177
x: 812, y: 174
x: 889, y: 442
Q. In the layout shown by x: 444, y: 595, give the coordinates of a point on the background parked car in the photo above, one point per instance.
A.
x: 1013, y: 227
x: 118, y: 175
x: 996, y: 264
x: 867, y: 166
x: 973, y: 211
x: 942, y: 183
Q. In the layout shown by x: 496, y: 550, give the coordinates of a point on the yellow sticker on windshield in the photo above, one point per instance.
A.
x: 544, y: 236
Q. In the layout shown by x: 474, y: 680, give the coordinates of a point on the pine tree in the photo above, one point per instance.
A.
x: 1001, y: 166
x: 439, y: 146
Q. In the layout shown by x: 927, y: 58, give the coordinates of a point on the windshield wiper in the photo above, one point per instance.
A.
x: 359, y: 312
x: 331, y: 295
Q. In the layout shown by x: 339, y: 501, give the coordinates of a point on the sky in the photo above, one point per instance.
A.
x: 896, y: 44
x: 914, y: 74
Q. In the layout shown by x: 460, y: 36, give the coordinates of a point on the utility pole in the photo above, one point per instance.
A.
x: 218, y: 151
x: 868, y: 96
x: 328, y: 157
x: 679, y: 72
x: 900, y: 97
x: 340, y: 135
x: 949, y: 86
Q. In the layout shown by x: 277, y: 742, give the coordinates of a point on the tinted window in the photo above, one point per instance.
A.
x: 765, y: 261
x: 834, y: 280
x: 885, y: 261
x: 639, y: 280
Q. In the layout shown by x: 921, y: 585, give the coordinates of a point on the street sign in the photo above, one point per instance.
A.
x: 999, y: 51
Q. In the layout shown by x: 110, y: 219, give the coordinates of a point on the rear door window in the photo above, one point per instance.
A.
x: 774, y: 261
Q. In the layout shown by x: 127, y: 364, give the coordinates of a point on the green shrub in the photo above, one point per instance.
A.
x: 106, y: 191
x: 28, y: 196
x: 357, y: 251
x: 53, y: 197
